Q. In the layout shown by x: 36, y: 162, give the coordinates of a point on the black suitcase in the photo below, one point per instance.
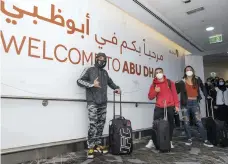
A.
x: 160, y: 133
x: 204, y: 119
x: 217, y: 132
x: 120, y: 133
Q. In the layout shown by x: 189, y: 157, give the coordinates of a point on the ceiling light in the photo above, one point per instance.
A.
x: 210, y: 28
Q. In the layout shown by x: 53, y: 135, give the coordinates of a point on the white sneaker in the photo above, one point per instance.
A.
x: 171, y: 143
x: 189, y: 142
x: 208, y: 144
x: 150, y: 144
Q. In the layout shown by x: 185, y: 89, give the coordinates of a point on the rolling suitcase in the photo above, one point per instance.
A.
x: 120, y: 133
x: 160, y: 133
x: 204, y: 119
x: 217, y: 133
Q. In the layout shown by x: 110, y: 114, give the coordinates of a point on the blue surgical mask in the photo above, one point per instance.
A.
x: 221, y: 83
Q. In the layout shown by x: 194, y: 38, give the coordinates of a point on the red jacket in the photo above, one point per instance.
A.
x: 166, y: 93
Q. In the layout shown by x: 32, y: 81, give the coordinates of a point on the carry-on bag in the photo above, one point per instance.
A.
x: 160, y: 133
x: 120, y: 133
x: 217, y: 133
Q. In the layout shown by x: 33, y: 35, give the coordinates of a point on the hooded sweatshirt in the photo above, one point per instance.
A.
x: 166, y: 93
x: 96, y: 95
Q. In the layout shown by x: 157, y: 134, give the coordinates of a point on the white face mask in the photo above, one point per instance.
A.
x: 189, y: 73
x: 221, y: 83
x: 159, y: 75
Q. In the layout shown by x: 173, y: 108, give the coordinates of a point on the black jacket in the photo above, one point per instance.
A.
x: 180, y: 86
x: 96, y: 95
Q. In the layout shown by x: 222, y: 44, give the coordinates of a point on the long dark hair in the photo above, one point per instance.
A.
x: 194, y: 80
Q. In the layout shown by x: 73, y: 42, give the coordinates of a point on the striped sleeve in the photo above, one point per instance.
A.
x: 83, y: 81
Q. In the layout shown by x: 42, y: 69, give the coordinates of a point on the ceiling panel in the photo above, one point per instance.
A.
x: 138, y: 12
x: 194, y: 25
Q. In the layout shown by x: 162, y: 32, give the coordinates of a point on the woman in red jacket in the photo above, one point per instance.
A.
x: 163, y: 90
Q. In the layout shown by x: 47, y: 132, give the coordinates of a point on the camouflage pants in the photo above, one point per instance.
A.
x: 97, y: 118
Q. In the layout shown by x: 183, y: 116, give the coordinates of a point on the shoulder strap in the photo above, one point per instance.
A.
x: 169, y: 84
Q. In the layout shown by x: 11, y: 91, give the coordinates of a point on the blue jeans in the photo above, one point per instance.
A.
x: 194, y: 109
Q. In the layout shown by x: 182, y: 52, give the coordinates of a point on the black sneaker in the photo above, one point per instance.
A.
x: 90, y: 153
x: 208, y: 144
x: 189, y: 142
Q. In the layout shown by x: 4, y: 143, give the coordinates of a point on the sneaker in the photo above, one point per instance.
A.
x: 90, y: 154
x: 189, y: 142
x: 171, y: 143
x: 207, y: 143
x: 150, y: 144
x: 101, y: 149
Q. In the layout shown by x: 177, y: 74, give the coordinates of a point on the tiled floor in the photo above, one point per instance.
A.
x: 181, y: 154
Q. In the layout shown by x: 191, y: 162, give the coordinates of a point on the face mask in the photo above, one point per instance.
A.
x: 221, y: 83
x: 101, y: 63
x: 189, y: 73
x: 208, y: 83
x: 159, y: 75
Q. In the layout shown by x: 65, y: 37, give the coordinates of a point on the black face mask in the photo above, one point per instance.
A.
x: 101, y: 63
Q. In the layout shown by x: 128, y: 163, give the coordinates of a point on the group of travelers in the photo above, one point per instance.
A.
x: 96, y: 80
x: 189, y: 88
x: 217, y: 88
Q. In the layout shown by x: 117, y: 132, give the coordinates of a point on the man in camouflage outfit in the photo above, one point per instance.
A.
x: 96, y: 81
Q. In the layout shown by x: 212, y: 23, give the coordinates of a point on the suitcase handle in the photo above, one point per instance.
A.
x: 114, y: 104
x: 165, y: 110
x: 208, y: 115
x: 119, y: 117
x: 212, y: 110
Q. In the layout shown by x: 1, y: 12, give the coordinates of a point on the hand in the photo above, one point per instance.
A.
x: 215, y: 107
x: 177, y: 109
x: 118, y: 91
x: 157, y: 89
x: 209, y: 97
x: 96, y: 83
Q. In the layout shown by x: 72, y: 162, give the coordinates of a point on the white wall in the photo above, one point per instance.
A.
x: 27, y: 122
x: 33, y: 69
x: 221, y: 70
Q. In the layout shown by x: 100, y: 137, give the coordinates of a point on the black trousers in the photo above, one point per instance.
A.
x: 222, y: 112
x: 159, y: 114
